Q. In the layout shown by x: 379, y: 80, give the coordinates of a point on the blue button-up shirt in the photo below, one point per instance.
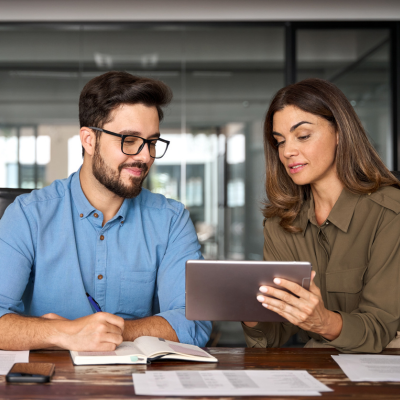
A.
x: 53, y: 249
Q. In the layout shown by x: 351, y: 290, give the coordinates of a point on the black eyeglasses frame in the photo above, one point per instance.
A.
x: 123, y: 137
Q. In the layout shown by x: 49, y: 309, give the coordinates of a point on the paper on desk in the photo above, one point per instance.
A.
x: 227, y: 383
x: 9, y: 358
x: 370, y: 367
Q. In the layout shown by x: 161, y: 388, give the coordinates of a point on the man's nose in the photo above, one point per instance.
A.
x: 144, y: 154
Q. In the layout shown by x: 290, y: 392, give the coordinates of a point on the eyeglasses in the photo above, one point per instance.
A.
x: 132, y: 145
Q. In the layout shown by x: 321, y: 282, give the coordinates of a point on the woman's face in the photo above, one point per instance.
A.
x: 306, y: 144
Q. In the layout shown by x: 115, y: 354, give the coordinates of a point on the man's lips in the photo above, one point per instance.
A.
x: 134, y: 171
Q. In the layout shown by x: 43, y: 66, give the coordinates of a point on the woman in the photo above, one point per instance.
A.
x: 332, y: 202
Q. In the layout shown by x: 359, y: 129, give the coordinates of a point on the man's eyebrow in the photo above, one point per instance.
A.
x: 129, y: 133
x: 135, y: 133
x: 298, y: 124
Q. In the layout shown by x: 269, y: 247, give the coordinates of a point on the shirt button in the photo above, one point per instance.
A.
x: 100, y: 277
x: 101, y: 237
x: 96, y: 215
x: 327, y: 222
x: 81, y: 215
x: 122, y: 222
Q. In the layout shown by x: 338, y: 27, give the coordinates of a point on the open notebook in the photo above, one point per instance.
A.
x: 142, y: 349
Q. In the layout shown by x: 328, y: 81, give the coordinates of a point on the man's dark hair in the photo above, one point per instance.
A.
x: 103, y: 94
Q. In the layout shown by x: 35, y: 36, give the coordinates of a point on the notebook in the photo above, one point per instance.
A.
x: 141, y: 350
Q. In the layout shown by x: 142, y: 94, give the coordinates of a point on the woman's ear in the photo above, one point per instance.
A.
x: 337, y: 138
x: 88, y: 140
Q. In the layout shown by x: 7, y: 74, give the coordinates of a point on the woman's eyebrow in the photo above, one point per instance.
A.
x: 276, y: 134
x: 298, y: 124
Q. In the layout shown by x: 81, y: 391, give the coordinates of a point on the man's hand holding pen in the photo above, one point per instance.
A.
x: 97, y: 332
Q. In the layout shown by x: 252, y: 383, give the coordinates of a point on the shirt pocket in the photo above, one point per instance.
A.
x: 344, y: 289
x: 136, y: 293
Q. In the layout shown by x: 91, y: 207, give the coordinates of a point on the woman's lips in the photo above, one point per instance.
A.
x: 297, y: 168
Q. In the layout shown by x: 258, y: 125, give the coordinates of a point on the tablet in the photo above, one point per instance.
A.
x: 227, y: 290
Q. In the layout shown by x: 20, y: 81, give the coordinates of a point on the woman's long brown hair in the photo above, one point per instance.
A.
x: 358, y: 165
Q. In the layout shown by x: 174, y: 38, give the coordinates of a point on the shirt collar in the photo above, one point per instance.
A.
x: 340, y: 215
x: 123, y: 210
x: 82, y: 203
x: 303, y: 217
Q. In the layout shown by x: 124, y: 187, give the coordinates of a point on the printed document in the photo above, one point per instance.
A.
x: 369, y: 367
x: 9, y: 358
x: 227, y: 383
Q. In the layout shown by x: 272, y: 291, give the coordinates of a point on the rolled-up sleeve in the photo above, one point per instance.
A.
x: 371, y: 326
x: 17, y: 237
x: 269, y: 334
x: 182, y: 246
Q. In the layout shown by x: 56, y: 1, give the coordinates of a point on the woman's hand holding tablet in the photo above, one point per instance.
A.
x: 306, y: 309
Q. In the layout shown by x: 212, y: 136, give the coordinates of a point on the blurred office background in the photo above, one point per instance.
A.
x: 223, y: 74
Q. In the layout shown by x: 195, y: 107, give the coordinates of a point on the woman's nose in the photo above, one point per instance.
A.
x: 290, y: 149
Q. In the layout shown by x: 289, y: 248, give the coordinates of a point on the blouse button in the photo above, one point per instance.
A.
x: 101, y: 237
x: 100, y: 277
x: 96, y: 215
x: 81, y: 215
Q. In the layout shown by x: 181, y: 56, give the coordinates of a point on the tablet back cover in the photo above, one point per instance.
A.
x: 227, y: 290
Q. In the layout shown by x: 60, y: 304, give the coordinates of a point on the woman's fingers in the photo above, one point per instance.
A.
x: 296, y: 305
x: 299, y: 292
x: 291, y: 313
x: 279, y: 294
x: 313, y: 287
x: 296, y: 289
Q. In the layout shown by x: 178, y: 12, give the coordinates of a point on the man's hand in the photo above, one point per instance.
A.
x: 97, y: 332
x: 307, y: 311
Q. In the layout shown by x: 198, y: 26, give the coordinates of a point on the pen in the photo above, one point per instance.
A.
x: 93, y: 302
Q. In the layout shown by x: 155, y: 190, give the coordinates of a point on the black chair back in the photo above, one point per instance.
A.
x: 7, y: 196
x: 396, y: 174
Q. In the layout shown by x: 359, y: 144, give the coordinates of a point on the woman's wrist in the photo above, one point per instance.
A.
x: 250, y: 324
x: 333, y: 327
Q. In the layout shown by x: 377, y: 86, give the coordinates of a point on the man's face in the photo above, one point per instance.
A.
x: 121, y: 174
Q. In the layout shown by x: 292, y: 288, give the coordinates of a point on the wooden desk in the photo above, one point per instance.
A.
x: 115, y: 381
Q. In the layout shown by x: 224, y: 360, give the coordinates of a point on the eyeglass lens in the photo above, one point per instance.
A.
x: 132, y: 145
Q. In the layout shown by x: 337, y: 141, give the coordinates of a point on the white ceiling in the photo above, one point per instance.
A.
x: 195, y: 10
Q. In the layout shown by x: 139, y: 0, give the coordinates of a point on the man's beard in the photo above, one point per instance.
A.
x: 111, y: 179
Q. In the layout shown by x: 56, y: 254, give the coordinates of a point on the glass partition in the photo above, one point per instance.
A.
x: 223, y: 77
x: 358, y: 62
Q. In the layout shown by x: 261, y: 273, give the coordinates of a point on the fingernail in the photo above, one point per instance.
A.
x: 277, y: 281
x: 265, y: 305
x: 263, y: 289
x: 260, y: 298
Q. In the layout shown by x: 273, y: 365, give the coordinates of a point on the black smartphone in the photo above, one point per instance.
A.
x: 30, y: 373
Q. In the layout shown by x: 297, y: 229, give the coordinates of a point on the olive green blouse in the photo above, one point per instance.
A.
x: 356, y: 254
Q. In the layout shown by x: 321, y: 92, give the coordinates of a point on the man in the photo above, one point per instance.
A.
x: 99, y: 233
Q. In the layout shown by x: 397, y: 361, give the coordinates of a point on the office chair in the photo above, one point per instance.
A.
x: 7, y: 196
x: 396, y: 174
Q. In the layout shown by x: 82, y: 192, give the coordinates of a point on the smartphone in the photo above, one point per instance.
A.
x: 30, y: 373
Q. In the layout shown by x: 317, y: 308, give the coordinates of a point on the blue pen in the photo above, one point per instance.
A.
x: 93, y: 302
